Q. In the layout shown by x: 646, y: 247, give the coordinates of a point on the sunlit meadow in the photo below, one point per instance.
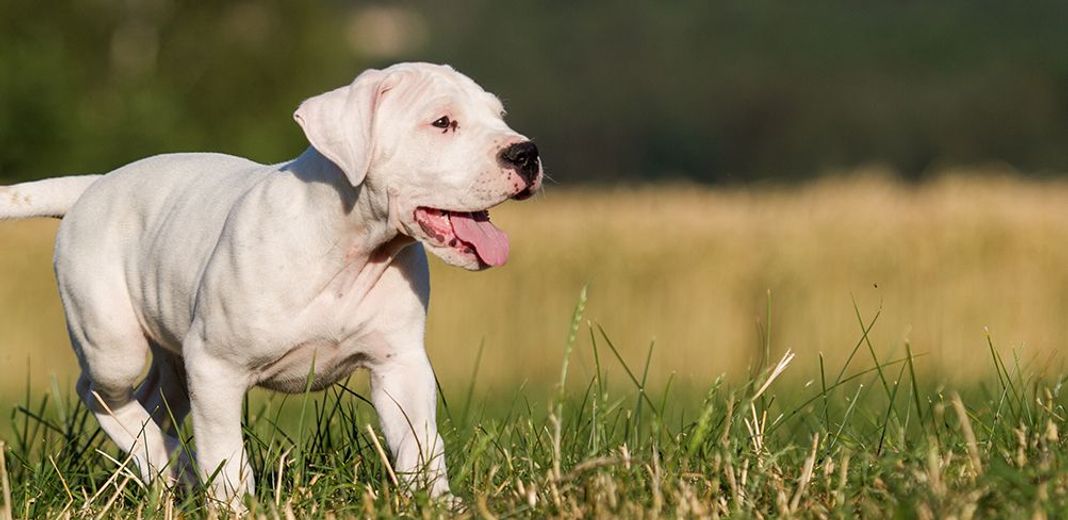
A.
x: 692, y: 269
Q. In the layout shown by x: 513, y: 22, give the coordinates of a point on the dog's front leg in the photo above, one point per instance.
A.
x: 216, y: 390
x: 404, y: 394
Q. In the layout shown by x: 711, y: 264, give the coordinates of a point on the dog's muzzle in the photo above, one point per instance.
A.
x: 523, y: 158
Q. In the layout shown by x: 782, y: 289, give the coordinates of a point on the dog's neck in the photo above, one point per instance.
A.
x: 362, y: 216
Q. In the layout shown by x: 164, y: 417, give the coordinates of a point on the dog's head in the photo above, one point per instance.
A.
x: 438, y: 144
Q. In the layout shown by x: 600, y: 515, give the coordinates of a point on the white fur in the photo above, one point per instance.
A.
x: 47, y: 198
x: 230, y: 274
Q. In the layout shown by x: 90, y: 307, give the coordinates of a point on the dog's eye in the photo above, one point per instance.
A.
x: 443, y: 122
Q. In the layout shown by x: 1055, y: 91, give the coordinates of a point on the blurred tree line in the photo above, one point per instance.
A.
x: 712, y: 91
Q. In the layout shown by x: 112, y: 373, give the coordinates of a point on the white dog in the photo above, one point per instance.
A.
x: 230, y: 274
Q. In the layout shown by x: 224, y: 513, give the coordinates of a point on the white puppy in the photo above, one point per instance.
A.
x: 230, y: 274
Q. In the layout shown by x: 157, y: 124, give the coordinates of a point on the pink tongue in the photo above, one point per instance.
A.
x: 490, y: 243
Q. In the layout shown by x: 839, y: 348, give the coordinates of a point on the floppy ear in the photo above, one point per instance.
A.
x: 339, y: 123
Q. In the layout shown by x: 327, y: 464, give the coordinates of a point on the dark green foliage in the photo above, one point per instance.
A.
x: 712, y: 91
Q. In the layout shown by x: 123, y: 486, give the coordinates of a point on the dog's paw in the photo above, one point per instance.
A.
x: 452, y: 503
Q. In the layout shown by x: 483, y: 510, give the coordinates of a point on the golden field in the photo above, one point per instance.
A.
x: 691, y: 268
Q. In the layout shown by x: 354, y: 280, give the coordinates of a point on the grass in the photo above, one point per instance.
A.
x: 865, y: 439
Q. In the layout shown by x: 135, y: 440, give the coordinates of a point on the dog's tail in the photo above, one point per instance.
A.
x: 45, y: 198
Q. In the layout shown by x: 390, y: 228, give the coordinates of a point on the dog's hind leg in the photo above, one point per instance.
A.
x: 165, y: 395
x: 113, y: 352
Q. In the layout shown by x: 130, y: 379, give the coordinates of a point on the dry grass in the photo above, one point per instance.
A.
x: 692, y: 267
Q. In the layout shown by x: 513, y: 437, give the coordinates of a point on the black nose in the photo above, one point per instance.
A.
x: 524, y: 157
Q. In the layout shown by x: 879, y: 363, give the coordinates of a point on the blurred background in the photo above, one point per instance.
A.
x: 712, y: 160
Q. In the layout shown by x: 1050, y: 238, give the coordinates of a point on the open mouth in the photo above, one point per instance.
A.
x: 465, y: 231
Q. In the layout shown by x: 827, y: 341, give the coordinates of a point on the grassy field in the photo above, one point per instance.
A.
x: 923, y: 325
x: 867, y: 439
